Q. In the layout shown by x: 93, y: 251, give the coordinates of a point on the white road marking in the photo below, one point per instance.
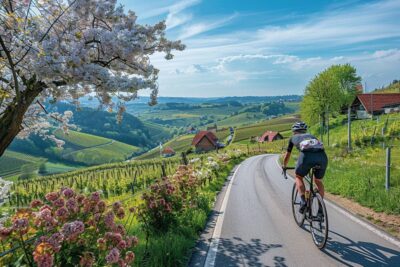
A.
x: 213, y: 249
x: 355, y: 219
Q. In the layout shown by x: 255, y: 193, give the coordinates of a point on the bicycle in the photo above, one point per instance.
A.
x: 318, y: 224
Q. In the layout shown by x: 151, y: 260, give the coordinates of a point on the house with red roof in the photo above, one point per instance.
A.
x: 168, y: 152
x: 270, y: 136
x: 205, y: 141
x: 366, y: 104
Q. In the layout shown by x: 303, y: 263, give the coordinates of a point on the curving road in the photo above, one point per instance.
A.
x: 255, y: 227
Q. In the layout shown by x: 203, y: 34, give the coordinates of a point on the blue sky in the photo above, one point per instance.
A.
x: 265, y: 47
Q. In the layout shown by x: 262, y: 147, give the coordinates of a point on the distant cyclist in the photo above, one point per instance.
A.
x: 312, y: 153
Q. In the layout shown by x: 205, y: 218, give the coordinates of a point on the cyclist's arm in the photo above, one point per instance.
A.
x: 288, y: 153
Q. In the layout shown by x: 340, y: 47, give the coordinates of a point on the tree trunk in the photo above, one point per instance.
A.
x: 11, y: 119
x: 349, y: 128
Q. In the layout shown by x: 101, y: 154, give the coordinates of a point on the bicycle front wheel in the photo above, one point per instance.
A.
x: 319, y: 221
x: 296, y: 200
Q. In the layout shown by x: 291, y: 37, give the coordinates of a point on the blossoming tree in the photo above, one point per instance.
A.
x: 66, y: 49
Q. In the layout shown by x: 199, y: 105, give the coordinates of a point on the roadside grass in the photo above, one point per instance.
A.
x: 174, y: 248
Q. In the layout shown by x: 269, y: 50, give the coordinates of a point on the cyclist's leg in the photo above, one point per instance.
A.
x: 300, y: 185
x: 320, y: 186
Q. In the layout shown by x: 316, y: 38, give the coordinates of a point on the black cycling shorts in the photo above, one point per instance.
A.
x: 308, y: 160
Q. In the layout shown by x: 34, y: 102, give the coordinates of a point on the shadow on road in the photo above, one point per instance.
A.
x: 237, y: 252
x: 349, y: 252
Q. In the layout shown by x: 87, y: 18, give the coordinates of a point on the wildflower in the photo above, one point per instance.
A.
x: 119, y: 228
x: 55, y: 241
x: 80, y: 199
x: 36, y: 203
x: 120, y: 213
x: 71, y: 205
x: 21, y: 225
x: 53, y: 196
x: 131, y: 241
x: 68, y: 193
x: 129, y: 257
x: 101, y: 206
x: 109, y: 220
x: 87, y: 260
x: 5, y: 232
x: 95, y: 197
x: 43, y: 255
x: 122, y: 244
x: 62, y: 213
x: 116, y: 206
x: 73, y: 229
x: 59, y: 202
x: 113, y: 256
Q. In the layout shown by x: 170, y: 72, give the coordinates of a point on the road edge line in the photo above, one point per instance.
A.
x: 213, y: 248
x: 357, y: 219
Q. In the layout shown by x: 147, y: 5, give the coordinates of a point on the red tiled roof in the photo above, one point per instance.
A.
x: 271, y: 135
x: 168, y: 150
x: 376, y: 102
x: 209, y: 135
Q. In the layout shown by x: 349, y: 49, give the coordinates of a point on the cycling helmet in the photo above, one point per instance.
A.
x: 299, y: 126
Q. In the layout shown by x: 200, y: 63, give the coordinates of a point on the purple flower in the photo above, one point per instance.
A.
x: 59, y: 202
x: 68, y: 193
x: 71, y: 205
x: 62, y: 213
x: 73, y: 229
x: 52, y: 196
x: 95, y: 197
x: 113, y: 256
x: 36, y: 203
x: 109, y: 220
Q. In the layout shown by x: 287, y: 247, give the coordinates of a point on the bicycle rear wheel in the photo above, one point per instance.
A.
x: 298, y: 217
x: 319, y: 225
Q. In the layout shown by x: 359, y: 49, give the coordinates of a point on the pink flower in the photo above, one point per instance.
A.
x: 119, y: 228
x: 71, y: 205
x: 109, y: 220
x: 116, y: 206
x: 62, y: 213
x: 113, y: 237
x: 101, y: 206
x: 162, y: 202
x: 101, y: 242
x: 73, y: 229
x: 55, y: 240
x: 5, y: 232
x: 122, y: 245
x: 132, y: 241
x: 43, y: 255
x: 120, y: 213
x: 68, y: 193
x: 129, y: 257
x: 36, y: 203
x: 21, y: 225
x: 52, y: 196
x: 113, y: 256
x: 59, y: 202
x: 95, y: 197
x: 80, y: 199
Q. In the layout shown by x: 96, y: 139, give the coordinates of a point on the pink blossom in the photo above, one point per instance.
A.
x: 101, y: 206
x: 80, y: 199
x: 68, y: 193
x: 73, y: 229
x: 5, y: 232
x: 116, y: 206
x: 113, y: 256
x: 120, y: 213
x: 52, y: 196
x: 132, y: 241
x: 101, y: 242
x: 95, y: 197
x: 87, y: 260
x: 119, y: 228
x: 62, y: 213
x: 21, y: 225
x: 36, y: 203
x: 109, y: 220
x: 129, y: 257
x: 59, y: 202
x: 122, y: 244
x: 71, y: 205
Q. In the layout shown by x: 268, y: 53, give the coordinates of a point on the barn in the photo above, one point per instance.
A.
x: 270, y: 136
x: 205, y: 141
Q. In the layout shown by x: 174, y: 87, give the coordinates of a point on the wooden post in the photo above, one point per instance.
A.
x: 387, y: 182
x: 349, y: 128
x: 163, y: 172
x: 184, y: 159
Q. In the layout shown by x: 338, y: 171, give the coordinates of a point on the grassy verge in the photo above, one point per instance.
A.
x: 174, y: 248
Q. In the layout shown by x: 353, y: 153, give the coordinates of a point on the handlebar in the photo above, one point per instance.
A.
x: 285, y: 169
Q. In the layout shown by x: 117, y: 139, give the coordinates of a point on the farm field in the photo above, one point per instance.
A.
x: 80, y: 139
x: 11, y: 163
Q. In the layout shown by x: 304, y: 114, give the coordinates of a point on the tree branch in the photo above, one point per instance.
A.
x: 12, y: 67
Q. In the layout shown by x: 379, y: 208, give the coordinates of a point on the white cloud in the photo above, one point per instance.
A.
x: 198, y: 28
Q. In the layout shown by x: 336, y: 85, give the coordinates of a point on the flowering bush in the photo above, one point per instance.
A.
x: 70, y: 229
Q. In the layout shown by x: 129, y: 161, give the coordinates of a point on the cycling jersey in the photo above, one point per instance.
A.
x: 305, y: 143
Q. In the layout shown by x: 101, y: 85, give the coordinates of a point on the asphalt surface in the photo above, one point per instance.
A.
x: 258, y: 228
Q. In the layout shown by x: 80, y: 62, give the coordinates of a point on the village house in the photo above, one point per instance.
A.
x: 168, y: 152
x: 366, y: 105
x: 270, y: 136
x: 213, y: 129
x: 205, y: 141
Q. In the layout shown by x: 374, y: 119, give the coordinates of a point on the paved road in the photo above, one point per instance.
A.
x: 258, y: 228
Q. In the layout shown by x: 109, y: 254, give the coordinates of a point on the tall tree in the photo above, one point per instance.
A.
x: 322, y: 96
x: 348, y: 81
x: 69, y: 48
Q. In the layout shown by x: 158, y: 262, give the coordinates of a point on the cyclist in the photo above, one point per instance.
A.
x: 312, y: 153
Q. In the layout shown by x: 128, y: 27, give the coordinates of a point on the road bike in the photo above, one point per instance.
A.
x: 318, y: 224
